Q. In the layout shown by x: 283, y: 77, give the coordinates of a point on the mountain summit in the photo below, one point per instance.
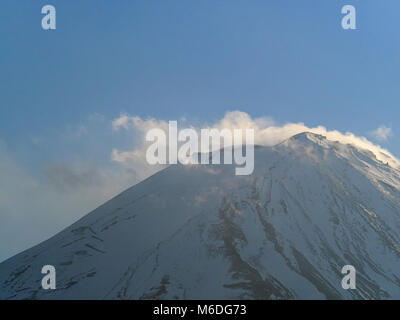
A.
x: 310, y: 207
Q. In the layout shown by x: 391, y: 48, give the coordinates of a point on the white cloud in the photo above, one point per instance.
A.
x: 267, y: 133
x: 382, y: 133
x: 122, y: 121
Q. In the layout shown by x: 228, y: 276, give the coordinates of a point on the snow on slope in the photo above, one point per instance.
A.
x: 200, y: 232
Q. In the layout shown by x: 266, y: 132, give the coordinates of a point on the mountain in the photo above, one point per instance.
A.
x: 310, y: 207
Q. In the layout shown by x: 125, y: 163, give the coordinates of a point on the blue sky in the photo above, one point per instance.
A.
x: 288, y: 60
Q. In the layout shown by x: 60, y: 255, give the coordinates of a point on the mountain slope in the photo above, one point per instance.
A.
x: 310, y: 207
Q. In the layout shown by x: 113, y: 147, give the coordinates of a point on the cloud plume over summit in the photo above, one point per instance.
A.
x: 267, y: 133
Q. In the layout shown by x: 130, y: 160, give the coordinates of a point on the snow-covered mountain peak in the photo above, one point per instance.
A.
x: 308, y: 136
x: 352, y: 151
x: 310, y: 207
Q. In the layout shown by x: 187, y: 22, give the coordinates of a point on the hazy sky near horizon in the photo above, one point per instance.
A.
x: 60, y: 90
